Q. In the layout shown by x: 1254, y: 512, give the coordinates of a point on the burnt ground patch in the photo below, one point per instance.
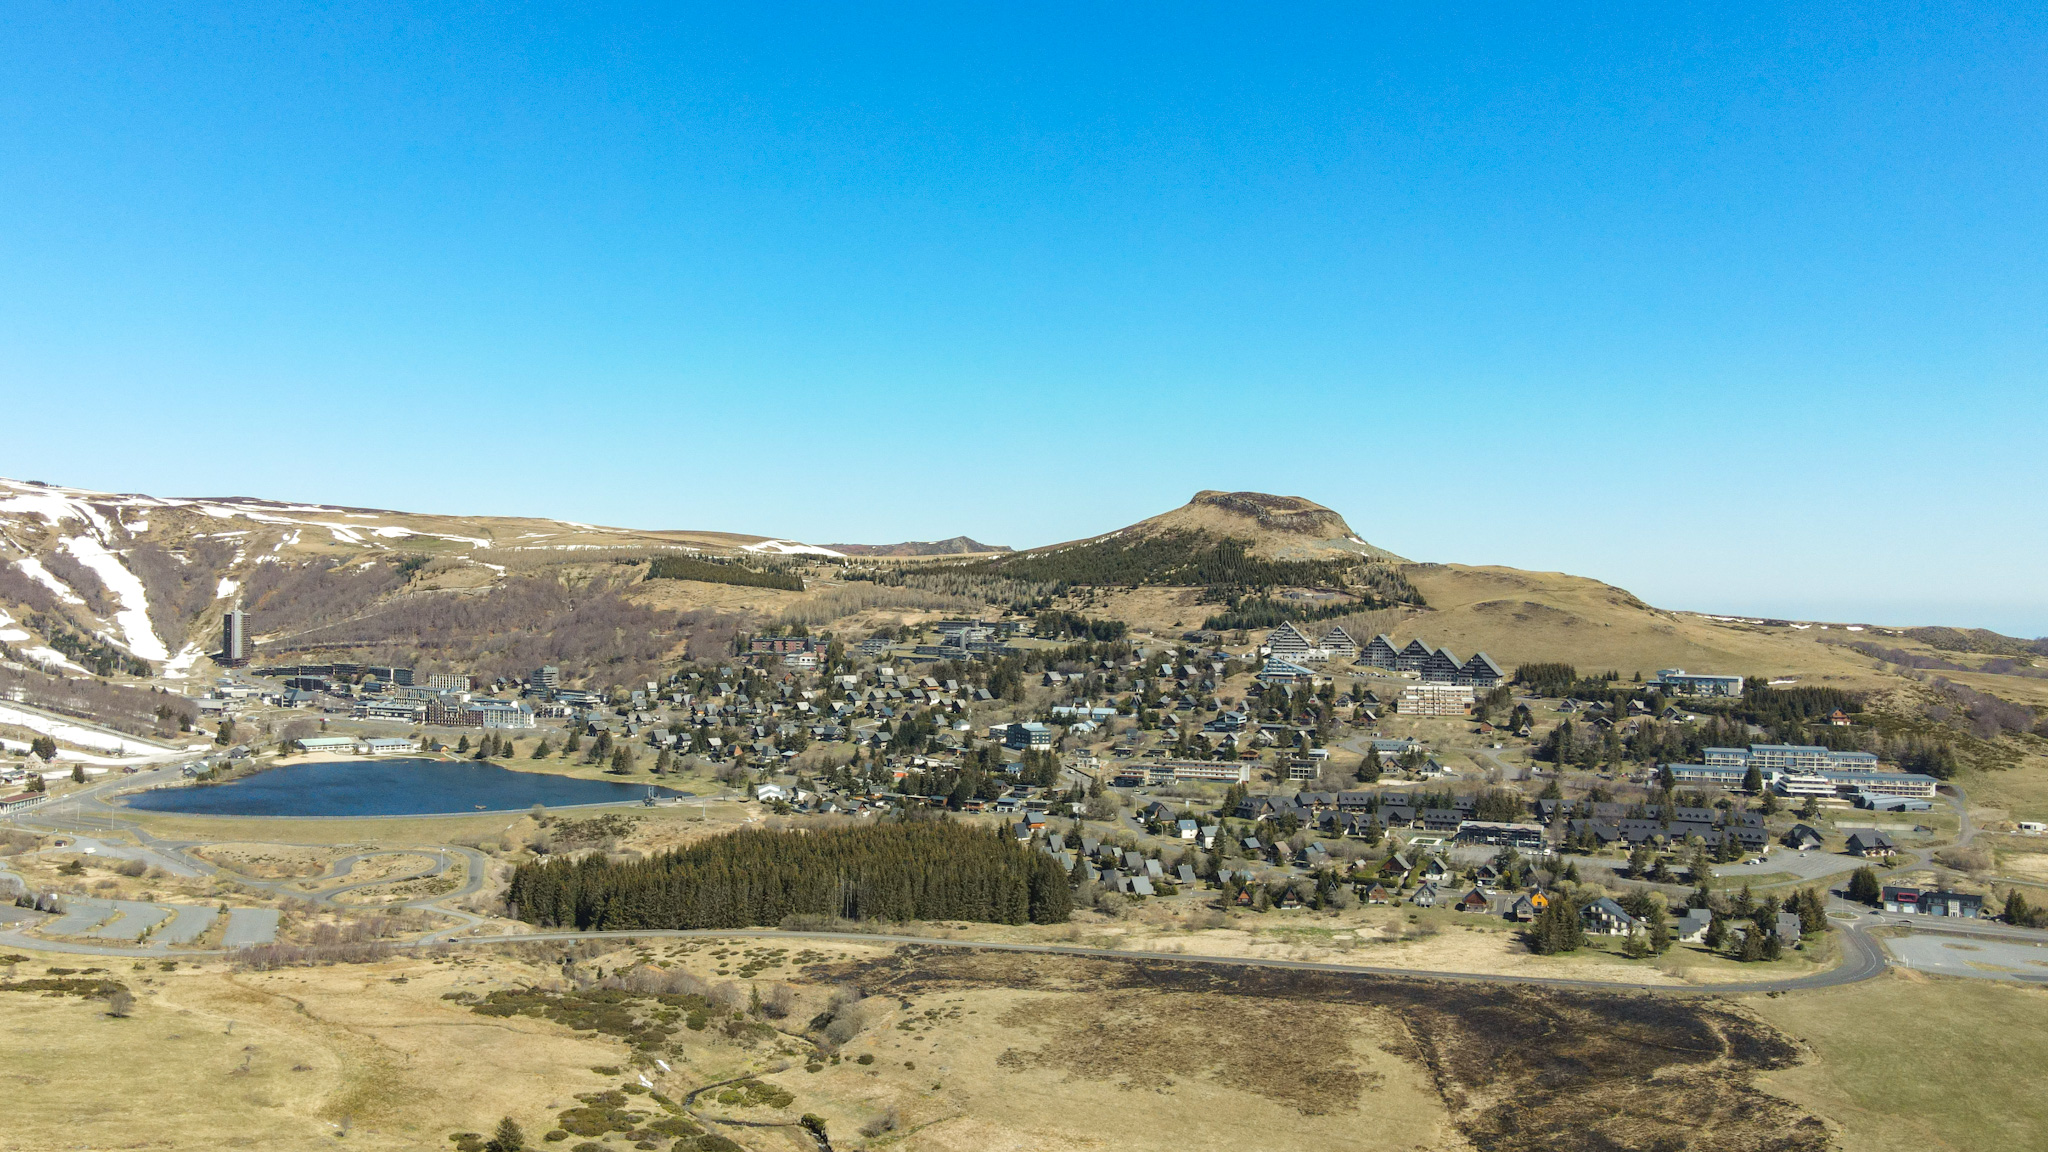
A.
x: 1520, y: 1068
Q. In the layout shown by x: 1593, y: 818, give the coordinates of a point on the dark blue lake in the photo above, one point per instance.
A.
x: 395, y: 787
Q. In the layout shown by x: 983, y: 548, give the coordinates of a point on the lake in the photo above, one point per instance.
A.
x: 400, y: 786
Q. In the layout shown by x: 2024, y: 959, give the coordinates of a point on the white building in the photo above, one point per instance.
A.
x: 1436, y: 699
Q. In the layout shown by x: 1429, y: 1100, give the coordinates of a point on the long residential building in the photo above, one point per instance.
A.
x: 1434, y: 699
x: 1339, y: 644
x: 1685, y: 683
x: 1769, y: 758
x: 1173, y: 771
x: 1380, y: 653
x: 1822, y: 782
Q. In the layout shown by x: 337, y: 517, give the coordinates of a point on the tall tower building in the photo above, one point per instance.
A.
x: 234, y: 638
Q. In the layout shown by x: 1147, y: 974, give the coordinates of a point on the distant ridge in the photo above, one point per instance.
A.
x: 956, y: 546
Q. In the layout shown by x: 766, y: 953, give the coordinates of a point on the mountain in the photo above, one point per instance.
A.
x: 134, y: 585
x: 956, y: 546
x: 137, y: 584
x: 1272, y: 527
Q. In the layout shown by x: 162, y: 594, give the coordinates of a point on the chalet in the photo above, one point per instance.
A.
x: 1434, y: 869
x: 1442, y: 819
x: 1838, y: 718
x: 1528, y: 906
x: 1425, y: 896
x: 1802, y: 838
x: 1186, y: 829
x: 1871, y: 843
x: 1476, y: 900
x: 1185, y: 874
x: 1397, y: 865
x: 1932, y: 902
x: 1789, y: 929
x: 1691, y: 928
x: 1603, y: 917
x: 1377, y: 894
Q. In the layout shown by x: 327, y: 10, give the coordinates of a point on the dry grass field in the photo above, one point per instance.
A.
x: 1521, y: 617
x: 951, y: 1051
x: 1912, y: 1063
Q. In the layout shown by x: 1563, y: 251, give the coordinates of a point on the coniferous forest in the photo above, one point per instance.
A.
x: 924, y: 870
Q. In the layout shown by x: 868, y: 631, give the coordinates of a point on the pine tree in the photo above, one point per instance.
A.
x: 1557, y: 929
x: 1753, y: 780
x: 1635, y: 947
x: 1717, y: 933
x: 462, y: 743
x: 508, y: 1137
x: 1813, y: 911
x: 541, y: 751
x: 1864, y: 887
x: 1752, y: 948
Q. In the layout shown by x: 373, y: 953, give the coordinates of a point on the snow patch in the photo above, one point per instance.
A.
x: 52, y: 507
x: 133, y: 616
x: 792, y: 548
x: 180, y: 666
x: 73, y: 734
x: 227, y: 588
x: 43, y: 576
x: 51, y: 658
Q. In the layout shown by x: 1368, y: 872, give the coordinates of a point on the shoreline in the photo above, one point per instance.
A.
x: 668, y: 796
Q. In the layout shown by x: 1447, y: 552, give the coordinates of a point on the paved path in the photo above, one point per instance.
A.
x: 248, y: 927
x: 114, y: 851
x: 1814, y: 865
x: 190, y: 923
x: 80, y: 913
x: 133, y: 919
x: 1978, y: 957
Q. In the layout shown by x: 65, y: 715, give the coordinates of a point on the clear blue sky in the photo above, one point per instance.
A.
x: 1742, y: 309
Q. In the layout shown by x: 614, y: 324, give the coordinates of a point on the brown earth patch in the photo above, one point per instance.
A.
x: 1520, y: 1069
x: 1295, y: 1054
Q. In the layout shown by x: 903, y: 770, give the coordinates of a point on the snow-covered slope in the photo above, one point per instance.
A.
x: 148, y: 577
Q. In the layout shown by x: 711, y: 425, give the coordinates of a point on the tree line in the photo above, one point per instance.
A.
x: 907, y: 870
x: 714, y: 572
x: 1178, y: 559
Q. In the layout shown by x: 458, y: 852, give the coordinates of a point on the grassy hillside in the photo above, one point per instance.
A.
x: 1523, y: 617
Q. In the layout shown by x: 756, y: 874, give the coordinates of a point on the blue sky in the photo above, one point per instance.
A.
x: 1741, y: 308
